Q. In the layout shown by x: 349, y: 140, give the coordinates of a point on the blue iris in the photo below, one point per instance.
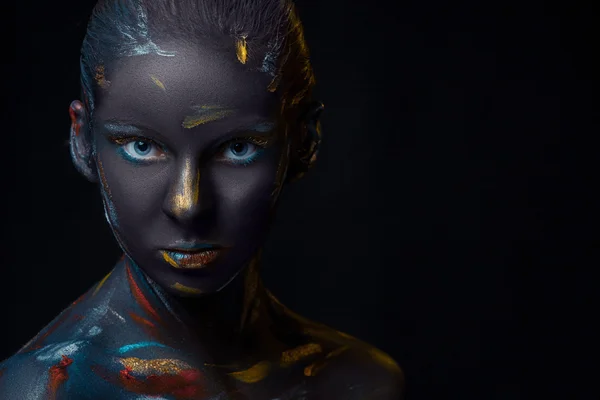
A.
x: 242, y: 153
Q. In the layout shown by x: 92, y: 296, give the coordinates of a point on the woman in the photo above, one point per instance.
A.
x: 194, y: 114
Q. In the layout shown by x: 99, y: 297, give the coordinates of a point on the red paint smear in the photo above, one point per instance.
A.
x: 141, y: 320
x: 74, y: 121
x: 139, y: 296
x: 37, y: 343
x: 79, y: 299
x: 58, y: 375
x: 148, y: 326
x: 2, y: 372
x: 187, y: 384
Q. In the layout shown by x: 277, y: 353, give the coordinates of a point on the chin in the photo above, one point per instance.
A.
x: 195, y: 283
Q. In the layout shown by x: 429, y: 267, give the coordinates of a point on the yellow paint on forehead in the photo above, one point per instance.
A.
x: 241, y: 49
x: 205, y: 114
x: 254, y: 374
x: 186, y: 289
x: 158, y: 82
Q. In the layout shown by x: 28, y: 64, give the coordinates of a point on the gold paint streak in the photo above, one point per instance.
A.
x: 155, y: 366
x: 383, y: 358
x: 289, y: 357
x: 101, y: 283
x: 186, y: 289
x: 254, y: 374
x: 169, y: 259
x: 274, y: 83
x: 189, y: 191
x: 204, y: 117
x: 101, y: 77
x: 241, y: 49
x: 158, y: 83
x: 315, y: 367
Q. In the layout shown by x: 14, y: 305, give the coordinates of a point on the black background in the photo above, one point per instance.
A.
x: 445, y: 222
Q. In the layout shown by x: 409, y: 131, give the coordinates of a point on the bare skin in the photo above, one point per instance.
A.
x: 123, y: 340
x: 190, y: 149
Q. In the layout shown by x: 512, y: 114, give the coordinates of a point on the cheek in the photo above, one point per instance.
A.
x: 244, y: 194
x: 134, y: 193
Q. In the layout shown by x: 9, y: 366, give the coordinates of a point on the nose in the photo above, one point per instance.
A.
x: 183, y: 200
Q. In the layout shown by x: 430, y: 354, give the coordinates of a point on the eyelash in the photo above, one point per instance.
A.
x: 123, y: 141
x: 260, y: 143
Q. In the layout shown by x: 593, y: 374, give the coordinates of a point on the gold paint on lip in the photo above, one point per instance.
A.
x: 186, y: 289
x: 191, y: 260
x: 168, y: 259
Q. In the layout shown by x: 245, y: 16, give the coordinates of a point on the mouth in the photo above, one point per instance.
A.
x: 191, y: 257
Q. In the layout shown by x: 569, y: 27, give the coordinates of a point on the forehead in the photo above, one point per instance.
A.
x: 175, y: 86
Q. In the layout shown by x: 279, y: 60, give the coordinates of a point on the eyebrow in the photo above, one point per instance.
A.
x: 117, y: 128
x: 263, y: 127
x: 204, y: 114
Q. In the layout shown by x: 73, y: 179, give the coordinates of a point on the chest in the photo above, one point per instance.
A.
x: 173, y: 377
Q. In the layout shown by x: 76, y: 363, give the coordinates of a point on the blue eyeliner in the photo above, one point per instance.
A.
x: 131, y: 159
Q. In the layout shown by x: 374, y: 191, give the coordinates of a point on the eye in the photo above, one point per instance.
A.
x: 241, y: 152
x: 142, y: 151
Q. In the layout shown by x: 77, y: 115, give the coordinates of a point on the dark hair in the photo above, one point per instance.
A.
x: 267, y: 32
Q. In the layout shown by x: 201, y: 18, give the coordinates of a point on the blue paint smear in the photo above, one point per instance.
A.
x: 140, y: 345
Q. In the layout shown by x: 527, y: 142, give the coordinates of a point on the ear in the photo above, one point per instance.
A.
x: 80, y: 142
x: 311, y: 140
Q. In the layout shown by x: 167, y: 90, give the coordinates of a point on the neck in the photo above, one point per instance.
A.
x: 227, y: 319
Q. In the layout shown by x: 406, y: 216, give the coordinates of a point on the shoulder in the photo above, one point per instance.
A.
x: 337, y: 365
x: 356, y: 370
x: 53, y: 371
x: 351, y: 368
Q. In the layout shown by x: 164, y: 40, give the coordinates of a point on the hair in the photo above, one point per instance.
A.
x: 269, y: 31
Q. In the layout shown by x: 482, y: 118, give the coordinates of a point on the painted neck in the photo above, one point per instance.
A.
x: 227, y: 316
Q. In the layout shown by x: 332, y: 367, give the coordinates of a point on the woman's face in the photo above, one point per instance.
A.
x: 188, y: 153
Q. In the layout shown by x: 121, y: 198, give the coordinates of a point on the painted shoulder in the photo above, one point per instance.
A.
x: 354, y: 368
x: 53, y: 371
x: 345, y: 366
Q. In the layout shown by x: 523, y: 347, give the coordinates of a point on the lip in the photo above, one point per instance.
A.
x: 191, y: 256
